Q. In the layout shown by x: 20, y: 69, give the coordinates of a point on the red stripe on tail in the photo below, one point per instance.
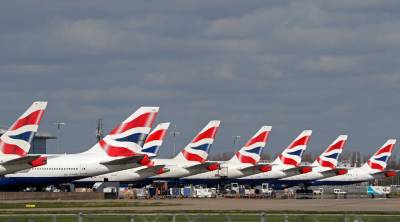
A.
x: 192, y: 156
x: 116, y: 151
x: 158, y: 135
x: 386, y: 149
x: 208, y: 134
x: 337, y: 146
x: 144, y: 120
x: 300, y: 142
x: 245, y: 159
x: 32, y: 119
x: 262, y: 137
x: 12, y: 149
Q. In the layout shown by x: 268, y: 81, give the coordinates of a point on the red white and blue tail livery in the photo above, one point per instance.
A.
x: 329, y: 158
x: 324, y: 166
x: 15, y: 143
x: 251, y: 151
x: 17, y: 139
x: 151, y: 147
x: 155, y: 139
x: 379, y: 160
x: 119, y: 150
x: 374, y: 168
x: 244, y: 162
x: 292, y: 155
x: 127, y: 138
x: 197, y: 150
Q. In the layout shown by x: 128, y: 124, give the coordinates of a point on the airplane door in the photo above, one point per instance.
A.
x: 83, y: 169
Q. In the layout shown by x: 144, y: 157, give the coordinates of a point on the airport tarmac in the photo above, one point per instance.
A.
x: 390, y: 206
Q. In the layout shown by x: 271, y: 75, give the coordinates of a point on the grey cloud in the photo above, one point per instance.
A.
x: 329, y: 66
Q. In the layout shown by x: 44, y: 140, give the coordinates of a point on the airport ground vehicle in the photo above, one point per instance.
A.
x: 383, y: 191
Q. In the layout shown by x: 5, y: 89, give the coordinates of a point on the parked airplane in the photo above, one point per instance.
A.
x: 323, y: 167
x: 151, y: 147
x: 244, y: 162
x: 374, y: 168
x: 15, y: 143
x: 192, y: 159
x: 288, y: 163
x: 119, y: 150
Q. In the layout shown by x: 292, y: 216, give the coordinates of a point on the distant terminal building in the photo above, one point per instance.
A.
x: 38, y: 143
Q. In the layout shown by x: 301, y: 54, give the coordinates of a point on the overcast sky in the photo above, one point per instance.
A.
x: 329, y: 66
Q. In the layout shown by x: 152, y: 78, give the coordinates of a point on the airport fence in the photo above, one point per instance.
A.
x: 260, y: 217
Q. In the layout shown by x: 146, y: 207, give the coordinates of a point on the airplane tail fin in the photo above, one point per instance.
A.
x: 251, y: 151
x: 17, y: 139
x: 329, y: 158
x: 379, y: 160
x: 197, y: 150
x: 155, y: 139
x: 127, y: 138
x: 293, y: 154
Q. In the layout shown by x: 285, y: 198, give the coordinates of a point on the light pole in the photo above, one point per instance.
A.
x: 59, y: 125
x: 235, y: 140
x: 174, y: 133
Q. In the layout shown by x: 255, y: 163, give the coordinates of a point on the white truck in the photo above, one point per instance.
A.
x: 340, y: 193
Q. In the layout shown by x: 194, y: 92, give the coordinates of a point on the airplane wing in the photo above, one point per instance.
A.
x: 255, y: 169
x: 139, y: 159
x: 203, y: 167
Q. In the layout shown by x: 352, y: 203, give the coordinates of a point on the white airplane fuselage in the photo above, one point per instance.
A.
x: 176, y: 170
x: 316, y: 174
x: 227, y: 170
x: 64, y: 168
x: 353, y: 175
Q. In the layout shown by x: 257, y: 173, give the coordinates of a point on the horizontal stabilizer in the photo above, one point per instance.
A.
x: 385, y: 174
x: 334, y: 172
x: 140, y: 159
x: 255, y: 169
x: 203, y: 167
x: 20, y: 161
x: 297, y: 170
x: 152, y: 171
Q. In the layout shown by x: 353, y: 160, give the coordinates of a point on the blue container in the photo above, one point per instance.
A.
x: 152, y: 191
x: 187, y: 192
